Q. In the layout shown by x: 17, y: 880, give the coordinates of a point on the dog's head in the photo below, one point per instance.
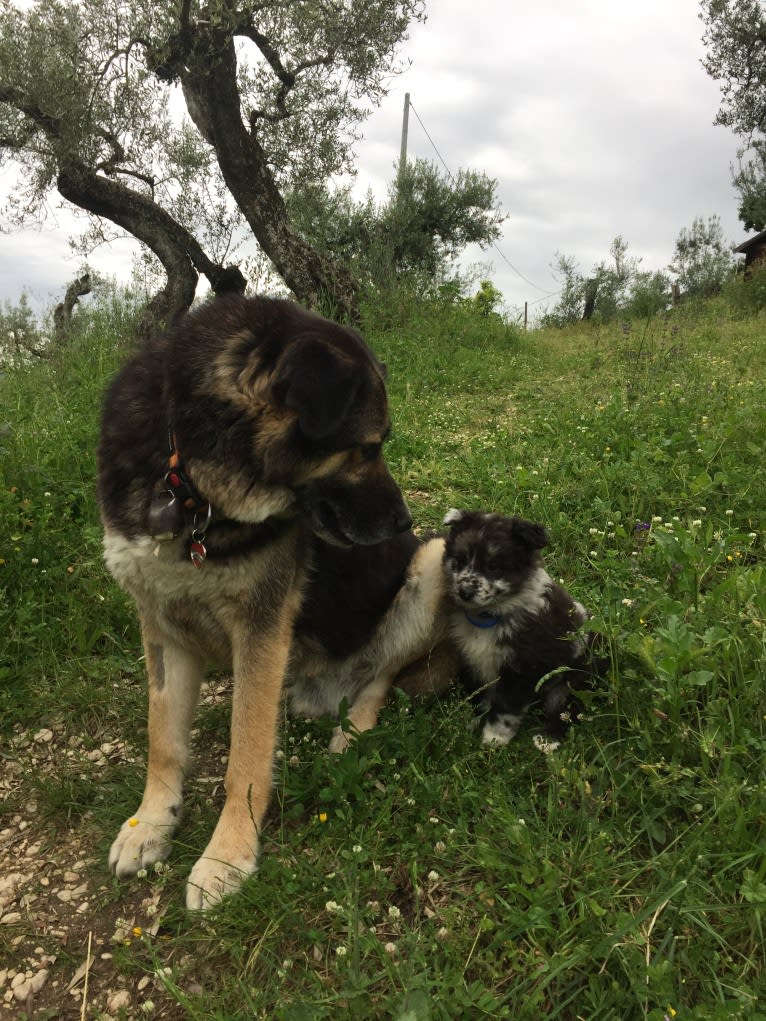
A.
x: 298, y: 419
x: 488, y: 558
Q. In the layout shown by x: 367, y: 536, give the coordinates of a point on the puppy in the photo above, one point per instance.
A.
x: 514, y: 627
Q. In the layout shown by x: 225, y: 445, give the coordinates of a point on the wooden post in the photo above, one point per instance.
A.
x: 405, y: 128
x: 525, y: 315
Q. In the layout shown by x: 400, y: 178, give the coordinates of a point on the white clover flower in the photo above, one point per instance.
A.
x: 341, y: 951
x: 627, y: 602
x: 697, y: 523
x: 729, y: 513
x: 332, y: 907
x: 357, y: 848
x: 394, y: 912
x: 433, y: 875
x: 390, y: 948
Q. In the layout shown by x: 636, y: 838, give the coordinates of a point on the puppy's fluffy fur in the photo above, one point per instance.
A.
x: 514, y: 627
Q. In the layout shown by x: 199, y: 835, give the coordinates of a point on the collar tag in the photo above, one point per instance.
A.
x: 165, y: 518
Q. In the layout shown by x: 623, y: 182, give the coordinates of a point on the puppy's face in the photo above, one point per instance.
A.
x: 488, y: 557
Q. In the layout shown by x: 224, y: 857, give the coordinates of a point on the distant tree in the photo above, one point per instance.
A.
x: 486, y: 299
x: 649, y: 294
x: 735, y: 38
x: 602, y: 294
x: 20, y: 338
x: 417, y: 233
x: 702, y: 260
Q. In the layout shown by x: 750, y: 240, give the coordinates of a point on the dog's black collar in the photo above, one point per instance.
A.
x: 482, y: 619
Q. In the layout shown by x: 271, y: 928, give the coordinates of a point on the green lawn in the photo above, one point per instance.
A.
x: 422, y: 876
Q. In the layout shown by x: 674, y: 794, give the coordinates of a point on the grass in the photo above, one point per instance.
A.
x: 421, y: 876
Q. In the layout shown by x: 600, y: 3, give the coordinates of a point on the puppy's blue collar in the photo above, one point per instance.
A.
x: 483, y: 619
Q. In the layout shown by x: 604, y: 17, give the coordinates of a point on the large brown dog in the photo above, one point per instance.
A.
x: 249, y: 511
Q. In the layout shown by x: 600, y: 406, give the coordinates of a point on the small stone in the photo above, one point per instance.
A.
x: 43, y: 736
x: 118, y: 1001
x: 11, y: 918
x: 64, y: 895
x: 143, y: 983
x: 39, y: 980
x: 70, y: 877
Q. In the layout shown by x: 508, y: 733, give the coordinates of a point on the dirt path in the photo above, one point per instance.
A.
x: 61, y: 924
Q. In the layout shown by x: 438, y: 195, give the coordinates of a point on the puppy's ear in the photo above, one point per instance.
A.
x: 315, y: 382
x: 531, y: 535
x: 452, y: 516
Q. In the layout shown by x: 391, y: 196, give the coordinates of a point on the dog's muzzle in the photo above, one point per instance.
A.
x: 348, y: 515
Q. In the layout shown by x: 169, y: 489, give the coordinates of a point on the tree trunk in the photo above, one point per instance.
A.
x: 146, y: 221
x: 209, y: 79
x: 62, y: 314
x: 591, y: 293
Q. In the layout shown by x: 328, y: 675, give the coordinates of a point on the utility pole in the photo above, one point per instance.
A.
x: 405, y: 127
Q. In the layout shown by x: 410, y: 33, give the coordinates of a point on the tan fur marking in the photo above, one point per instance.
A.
x: 260, y: 661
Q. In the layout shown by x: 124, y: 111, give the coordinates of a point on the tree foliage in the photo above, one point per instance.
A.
x: 613, y: 287
x: 735, y: 38
x: 702, y: 260
x: 421, y: 228
x: 275, y: 93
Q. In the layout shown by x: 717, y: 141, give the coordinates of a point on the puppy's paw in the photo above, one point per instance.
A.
x: 500, y: 730
x: 142, y: 841
x: 544, y: 744
x: 211, y: 880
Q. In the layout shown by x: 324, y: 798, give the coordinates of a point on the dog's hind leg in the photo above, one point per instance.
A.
x: 175, y: 676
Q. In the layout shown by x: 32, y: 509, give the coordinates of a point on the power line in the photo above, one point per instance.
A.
x: 494, y: 245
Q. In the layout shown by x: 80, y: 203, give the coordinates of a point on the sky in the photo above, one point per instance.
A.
x: 594, y: 117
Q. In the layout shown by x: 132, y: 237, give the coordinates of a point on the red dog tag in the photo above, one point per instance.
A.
x: 197, y: 552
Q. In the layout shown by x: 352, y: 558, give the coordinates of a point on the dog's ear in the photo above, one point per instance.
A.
x: 452, y: 516
x: 318, y: 384
x: 531, y: 535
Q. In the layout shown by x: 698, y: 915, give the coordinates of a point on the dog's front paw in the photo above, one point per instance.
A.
x: 211, y: 880
x: 142, y: 841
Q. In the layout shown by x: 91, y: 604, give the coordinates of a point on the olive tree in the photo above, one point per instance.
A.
x: 735, y: 40
x: 274, y: 93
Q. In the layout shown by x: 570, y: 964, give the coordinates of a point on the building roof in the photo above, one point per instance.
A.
x: 756, y: 239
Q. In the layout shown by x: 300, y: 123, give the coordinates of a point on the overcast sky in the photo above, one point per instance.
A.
x: 595, y: 117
